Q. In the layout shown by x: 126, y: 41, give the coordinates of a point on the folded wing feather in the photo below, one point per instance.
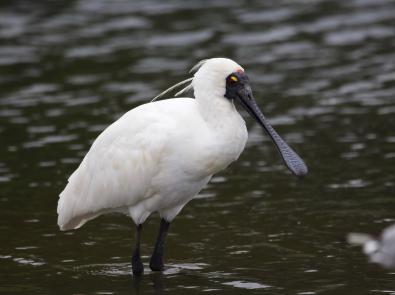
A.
x: 118, y: 169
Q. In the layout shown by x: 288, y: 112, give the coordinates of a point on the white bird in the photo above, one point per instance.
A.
x: 160, y: 155
x: 381, y: 249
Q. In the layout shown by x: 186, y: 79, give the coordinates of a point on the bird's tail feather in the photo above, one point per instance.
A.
x: 71, y: 213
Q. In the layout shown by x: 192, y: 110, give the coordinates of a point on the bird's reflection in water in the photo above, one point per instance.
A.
x: 136, y: 282
x: 157, y: 282
x: 156, y: 278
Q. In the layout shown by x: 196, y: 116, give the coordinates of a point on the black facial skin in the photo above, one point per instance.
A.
x: 238, y: 89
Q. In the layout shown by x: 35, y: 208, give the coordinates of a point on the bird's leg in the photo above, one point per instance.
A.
x: 137, y: 265
x: 156, y: 262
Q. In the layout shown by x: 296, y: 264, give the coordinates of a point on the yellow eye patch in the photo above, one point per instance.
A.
x: 234, y: 78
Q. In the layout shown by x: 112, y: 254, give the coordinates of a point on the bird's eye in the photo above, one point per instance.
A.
x: 233, y: 79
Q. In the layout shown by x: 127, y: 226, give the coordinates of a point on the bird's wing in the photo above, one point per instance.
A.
x: 118, y: 169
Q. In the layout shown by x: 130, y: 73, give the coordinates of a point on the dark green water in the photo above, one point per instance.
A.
x: 323, y: 72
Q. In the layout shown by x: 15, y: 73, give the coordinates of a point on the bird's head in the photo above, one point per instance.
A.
x: 211, y: 76
x: 224, y: 78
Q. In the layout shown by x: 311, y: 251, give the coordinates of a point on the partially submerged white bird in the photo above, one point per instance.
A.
x: 160, y: 155
x: 381, y: 249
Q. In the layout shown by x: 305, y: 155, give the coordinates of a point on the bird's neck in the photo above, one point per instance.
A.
x: 227, y: 132
x: 216, y: 110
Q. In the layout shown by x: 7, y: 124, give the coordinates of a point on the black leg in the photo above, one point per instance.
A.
x: 156, y: 262
x: 137, y: 265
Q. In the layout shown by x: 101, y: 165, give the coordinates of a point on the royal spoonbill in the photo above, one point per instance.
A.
x: 381, y: 249
x: 160, y: 155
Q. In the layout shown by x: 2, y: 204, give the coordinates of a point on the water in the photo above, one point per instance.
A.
x: 323, y: 72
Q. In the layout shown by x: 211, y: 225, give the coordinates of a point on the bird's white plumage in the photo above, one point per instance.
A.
x: 158, y: 156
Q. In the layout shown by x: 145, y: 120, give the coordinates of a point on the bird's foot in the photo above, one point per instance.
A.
x: 156, y: 263
x: 137, y: 266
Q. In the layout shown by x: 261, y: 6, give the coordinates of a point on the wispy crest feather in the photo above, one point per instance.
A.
x: 197, y: 66
x: 172, y: 88
x: 185, y: 89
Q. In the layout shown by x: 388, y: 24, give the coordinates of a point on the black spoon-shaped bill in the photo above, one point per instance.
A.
x: 290, y: 157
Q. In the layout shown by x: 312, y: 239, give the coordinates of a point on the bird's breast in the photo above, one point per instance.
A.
x: 218, y: 147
